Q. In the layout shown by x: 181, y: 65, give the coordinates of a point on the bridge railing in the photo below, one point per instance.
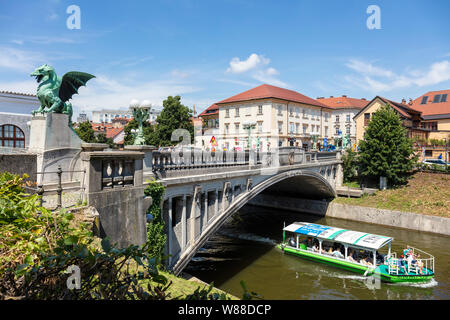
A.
x: 188, y: 158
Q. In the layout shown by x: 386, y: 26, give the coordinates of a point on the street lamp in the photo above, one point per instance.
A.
x: 249, y: 125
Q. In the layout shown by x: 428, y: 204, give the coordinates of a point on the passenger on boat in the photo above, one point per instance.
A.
x: 365, y: 261
x: 350, y: 256
x: 401, y: 263
x: 406, y: 251
x: 337, y: 254
x: 420, y: 266
x: 292, y: 242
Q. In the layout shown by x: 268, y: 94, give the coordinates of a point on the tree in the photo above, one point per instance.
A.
x: 101, y: 138
x: 85, y: 132
x: 386, y: 151
x: 149, y: 133
x: 350, y: 165
x: 173, y: 116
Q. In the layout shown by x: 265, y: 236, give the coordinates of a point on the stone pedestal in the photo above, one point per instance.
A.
x: 55, y: 144
x: 148, y: 154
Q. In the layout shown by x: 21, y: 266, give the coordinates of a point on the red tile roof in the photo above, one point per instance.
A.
x: 344, y: 102
x: 113, y: 132
x: 18, y: 93
x: 265, y: 91
x: 431, y: 108
x: 212, y: 109
x: 404, y: 110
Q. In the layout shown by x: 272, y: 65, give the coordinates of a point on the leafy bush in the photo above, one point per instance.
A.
x: 350, y: 165
x: 156, y: 237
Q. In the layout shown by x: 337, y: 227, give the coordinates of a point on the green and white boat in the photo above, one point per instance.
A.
x: 357, y: 252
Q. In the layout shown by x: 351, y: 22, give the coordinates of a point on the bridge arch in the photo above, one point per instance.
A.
x: 292, y: 182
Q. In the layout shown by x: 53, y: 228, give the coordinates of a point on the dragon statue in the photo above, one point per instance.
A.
x: 54, y: 92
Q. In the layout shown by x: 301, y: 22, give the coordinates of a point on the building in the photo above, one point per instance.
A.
x: 435, y: 109
x: 272, y: 117
x: 411, y: 118
x: 344, y: 109
x: 108, y: 115
x: 82, y: 117
x: 15, y: 114
x: 210, y: 126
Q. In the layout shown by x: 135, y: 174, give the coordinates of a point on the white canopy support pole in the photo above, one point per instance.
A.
x: 346, y: 251
x: 320, y: 246
x: 296, y: 243
x: 389, y: 250
x: 374, y: 258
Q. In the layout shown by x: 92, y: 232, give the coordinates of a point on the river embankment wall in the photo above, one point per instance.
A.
x: 392, y: 218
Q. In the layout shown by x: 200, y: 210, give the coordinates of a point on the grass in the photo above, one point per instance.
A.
x: 425, y: 193
x: 352, y: 184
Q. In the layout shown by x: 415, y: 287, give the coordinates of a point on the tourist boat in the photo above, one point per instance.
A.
x: 356, y: 251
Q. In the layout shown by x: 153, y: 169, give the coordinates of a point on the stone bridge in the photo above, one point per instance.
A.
x: 201, y: 194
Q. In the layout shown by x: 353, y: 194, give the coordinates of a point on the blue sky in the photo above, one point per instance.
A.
x: 207, y: 51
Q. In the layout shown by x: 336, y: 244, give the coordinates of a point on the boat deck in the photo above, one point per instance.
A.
x: 384, y: 269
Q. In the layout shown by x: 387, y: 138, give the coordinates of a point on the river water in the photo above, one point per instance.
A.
x: 244, y: 249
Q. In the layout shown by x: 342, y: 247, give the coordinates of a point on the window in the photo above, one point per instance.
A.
x: 326, y: 131
x: 291, y: 127
x: 236, y: 127
x: 348, y: 130
x: 227, y: 113
x: 337, y: 118
x: 312, y: 128
x: 444, y: 97
x: 424, y: 100
x: 366, y: 118
x: 227, y: 127
x: 428, y: 153
x: 326, y: 117
x: 260, y: 109
x: 296, y: 112
x: 436, y: 98
x: 260, y: 126
x: 337, y: 130
x: 291, y: 112
x: 249, y: 110
x: 280, y: 127
x: 12, y: 136
x: 305, y: 115
x: 348, y: 118
x: 279, y: 110
x: 237, y: 112
x: 305, y: 127
x: 297, y: 128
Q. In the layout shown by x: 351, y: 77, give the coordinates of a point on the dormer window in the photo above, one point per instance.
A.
x: 424, y: 100
x: 436, y: 98
x: 444, y: 97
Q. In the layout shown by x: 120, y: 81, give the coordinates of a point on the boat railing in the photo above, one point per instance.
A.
x: 424, y: 262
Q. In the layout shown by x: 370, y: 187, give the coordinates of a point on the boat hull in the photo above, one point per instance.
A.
x: 380, y: 271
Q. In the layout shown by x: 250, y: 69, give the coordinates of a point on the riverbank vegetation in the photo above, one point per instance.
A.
x: 425, y: 193
x: 38, y: 247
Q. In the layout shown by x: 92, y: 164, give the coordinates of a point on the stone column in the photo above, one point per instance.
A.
x: 216, y: 202
x: 183, y: 225
x: 169, y: 228
x: 205, y: 216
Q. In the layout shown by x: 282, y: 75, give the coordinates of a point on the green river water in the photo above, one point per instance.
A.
x: 244, y: 249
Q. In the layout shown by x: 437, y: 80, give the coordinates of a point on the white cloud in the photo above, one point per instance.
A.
x: 19, y: 60
x: 103, y: 92
x: 376, y: 79
x: 179, y: 74
x: 253, y: 61
x: 19, y: 42
x: 256, y: 66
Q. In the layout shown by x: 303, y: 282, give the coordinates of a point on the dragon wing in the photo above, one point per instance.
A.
x: 70, y: 83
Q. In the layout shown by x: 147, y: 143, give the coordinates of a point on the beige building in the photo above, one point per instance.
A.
x: 411, y: 118
x: 273, y: 117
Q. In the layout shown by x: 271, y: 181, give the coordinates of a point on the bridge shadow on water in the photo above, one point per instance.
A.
x: 233, y: 245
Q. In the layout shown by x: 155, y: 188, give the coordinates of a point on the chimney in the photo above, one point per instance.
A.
x: 403, y: 101
x: 331, y: 97
x: 344, y: 96
x: 320, y: 98
x: 410, y: 102
x: 363, y: 99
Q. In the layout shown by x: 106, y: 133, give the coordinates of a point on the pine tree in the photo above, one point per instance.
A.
x: 386, y: 151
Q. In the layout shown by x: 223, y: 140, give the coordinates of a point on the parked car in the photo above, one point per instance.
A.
x: 438, y: 162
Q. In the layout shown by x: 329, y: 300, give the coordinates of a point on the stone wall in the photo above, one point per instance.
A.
x: 19, y: 164
x: 399, y: 219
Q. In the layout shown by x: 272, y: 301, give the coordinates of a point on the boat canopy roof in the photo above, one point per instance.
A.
x: 353, y: 238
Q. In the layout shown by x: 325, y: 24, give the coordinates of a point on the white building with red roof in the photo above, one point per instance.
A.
x: 280, y: 117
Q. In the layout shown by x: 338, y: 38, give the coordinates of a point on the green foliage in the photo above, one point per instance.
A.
x: 386, y: 150
x: 350, y: 165
x: 85, y: 132
x: 149, y: 132
x: 101, y: 138
x: 156, y: 237
x: 173, y: 116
